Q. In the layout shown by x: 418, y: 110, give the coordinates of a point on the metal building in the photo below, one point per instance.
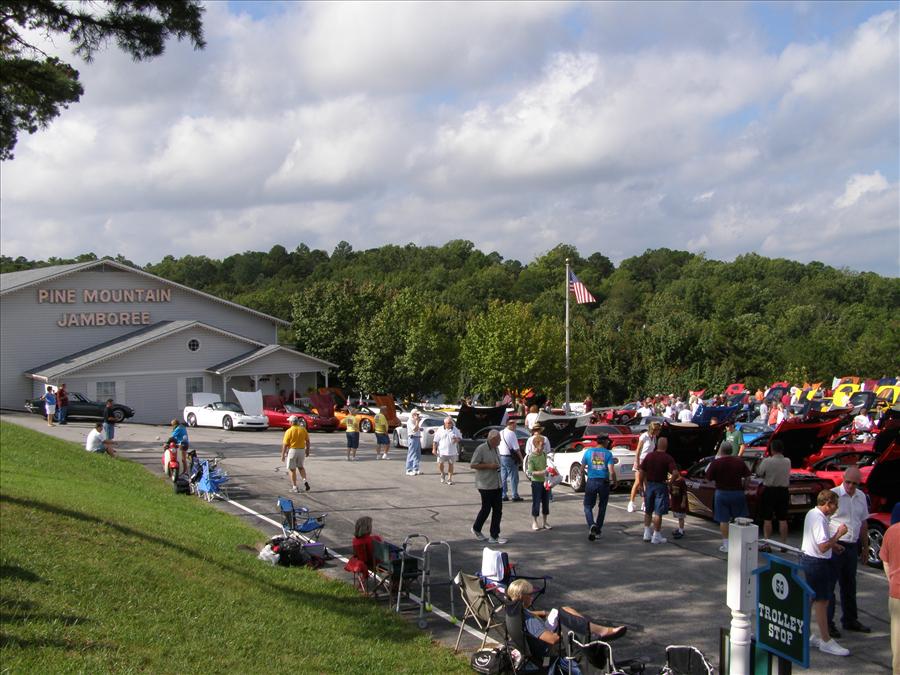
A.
x: 108, y: 330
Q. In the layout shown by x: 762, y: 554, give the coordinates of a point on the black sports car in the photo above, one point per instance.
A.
x: 81, y: 407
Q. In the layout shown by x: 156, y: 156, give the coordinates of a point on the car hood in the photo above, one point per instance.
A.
x: 470, y: 419
x: 689, y: 442
x: 803, y: 437
x: 323, y: 403
x: 722, y: 413
x: 559, y: 429
x: 388, y: 409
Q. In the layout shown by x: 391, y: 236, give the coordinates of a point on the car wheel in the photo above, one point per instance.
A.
x: 396, y: 439
x: 576, y: 478
x: 365, y: 426
x: 118, y: 415
x: 192, y: 420
x: 227, y: 423
x: 876, y: 536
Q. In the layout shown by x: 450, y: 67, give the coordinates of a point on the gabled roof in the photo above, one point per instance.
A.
x: 11, y: 282
x: 112, y: 348
x: 254, y: 354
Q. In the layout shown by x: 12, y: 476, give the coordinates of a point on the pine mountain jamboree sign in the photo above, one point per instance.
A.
x: 783, y: 610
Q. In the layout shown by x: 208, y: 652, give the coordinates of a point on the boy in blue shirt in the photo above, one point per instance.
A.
x: 599, y: 469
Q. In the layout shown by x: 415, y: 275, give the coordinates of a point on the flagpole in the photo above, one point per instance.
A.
x: 567, y: 335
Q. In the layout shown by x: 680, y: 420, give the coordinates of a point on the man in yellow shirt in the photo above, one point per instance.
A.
x: 382, y: 440
x: 295, y: 448
x: 352, y: 427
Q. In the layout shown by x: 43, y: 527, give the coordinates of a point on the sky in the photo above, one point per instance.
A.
x: 716, y: 128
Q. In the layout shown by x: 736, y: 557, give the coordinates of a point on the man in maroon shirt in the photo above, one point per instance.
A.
x: 656, y: 468
x: 729, y: 473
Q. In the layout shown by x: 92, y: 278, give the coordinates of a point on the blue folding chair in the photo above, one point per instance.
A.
x: 299, y: 520
x: 212, y: 478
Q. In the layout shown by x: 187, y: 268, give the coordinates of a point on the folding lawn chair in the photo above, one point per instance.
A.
x: 585, y: 655
x: 498, y: 572
x: 530, y: 649
x: 481, y: 606
x: 211, y: 480
x: 686, y: 660
x: 299, y: 521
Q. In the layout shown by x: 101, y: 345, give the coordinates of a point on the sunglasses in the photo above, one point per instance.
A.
x: 851, y: 482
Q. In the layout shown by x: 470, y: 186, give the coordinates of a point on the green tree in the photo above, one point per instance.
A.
x: 35, y: 87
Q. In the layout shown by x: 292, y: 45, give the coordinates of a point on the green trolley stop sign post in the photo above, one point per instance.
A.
x: 782, y: 610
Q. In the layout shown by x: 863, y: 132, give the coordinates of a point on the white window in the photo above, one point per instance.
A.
x: 193, y: 344
x: 191, y: 386
x: 106, y: 390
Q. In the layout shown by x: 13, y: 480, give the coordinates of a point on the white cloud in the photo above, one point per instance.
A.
x: 515, y: 125
x: 858, y: 185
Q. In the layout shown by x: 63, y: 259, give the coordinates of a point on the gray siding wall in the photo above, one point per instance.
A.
x: 279, y: 362
x: 29, y: 335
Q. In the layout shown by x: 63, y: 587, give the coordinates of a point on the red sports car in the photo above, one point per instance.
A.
x: 278, y: 415
x: 804, y: 487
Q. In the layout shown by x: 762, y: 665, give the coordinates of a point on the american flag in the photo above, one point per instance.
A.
x: 582, y: 294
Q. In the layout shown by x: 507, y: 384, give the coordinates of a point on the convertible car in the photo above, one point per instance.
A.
x: 223, y: 414
x: 81, y: 407
x: 279, y: 414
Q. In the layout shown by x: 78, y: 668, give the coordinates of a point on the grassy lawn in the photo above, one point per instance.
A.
x: 105, y: 569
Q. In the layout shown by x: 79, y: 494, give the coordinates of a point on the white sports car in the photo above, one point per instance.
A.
x: 223, y: 414
x: 567, y: 459
x: 431, y: 422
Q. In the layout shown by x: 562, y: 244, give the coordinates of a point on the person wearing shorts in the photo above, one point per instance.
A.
x: 352, y: 434
x: 775, y: 472
x: 382, y: 440
x: 445, y: 446
x: 294, y: 450
x: 815, y: 559
x: 656, y: 468
x: 729, y: 473
x: 678, y: 501
x: 49, y: 405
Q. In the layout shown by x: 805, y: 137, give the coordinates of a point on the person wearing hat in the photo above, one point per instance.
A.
x: 414, y: 436
x: 510, y: 459
x: 294, y: 449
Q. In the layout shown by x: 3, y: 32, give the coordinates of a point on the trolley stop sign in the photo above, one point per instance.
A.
x: 782, y: 610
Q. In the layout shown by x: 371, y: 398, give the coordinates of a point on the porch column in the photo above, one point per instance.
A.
x: 225, y: 379
x: 293, y: 377
x: 255, y: 382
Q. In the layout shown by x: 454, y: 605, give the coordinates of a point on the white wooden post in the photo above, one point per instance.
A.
x: 741, y: 592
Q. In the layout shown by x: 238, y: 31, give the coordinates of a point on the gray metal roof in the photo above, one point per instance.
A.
x: 255, y: 354
x: 13, y: 281
x: 16, y: 281
x: 107, y: 350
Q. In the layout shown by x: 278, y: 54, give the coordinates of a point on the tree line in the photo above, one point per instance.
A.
x: 414, y: 320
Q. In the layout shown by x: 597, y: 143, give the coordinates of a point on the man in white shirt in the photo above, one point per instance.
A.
x: 96, y: 441
x: 817, y: 546
x: 852, y: 511
x: 763, y: 413
x: 645, y: 410
x: 446, y: 447
x: 685, y: 415
x: 510, y: 459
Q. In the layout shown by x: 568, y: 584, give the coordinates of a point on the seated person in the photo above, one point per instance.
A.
x: 363, y: 542
x: 96, y: 441
x: 538, y: 627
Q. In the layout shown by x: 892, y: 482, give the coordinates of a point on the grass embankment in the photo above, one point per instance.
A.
x: 105, y: 569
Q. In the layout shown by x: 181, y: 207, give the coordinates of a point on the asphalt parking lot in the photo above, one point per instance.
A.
x: 667, y: 594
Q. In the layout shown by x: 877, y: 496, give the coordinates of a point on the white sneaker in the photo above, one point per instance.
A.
x: 384, y: 456
x: 410, y: 473
x: 417, y: 472
x: 630, y: 507
x: 478, y: 535
x: 648, y: 533
x: 294, y: 488
x: 443, y: 480
x: 498, y: 540
x: 658, y: 539
x: 833, y: 648
x: 723, y: 548
x: 643, y: 508
x: 449, y: 482
x: 814, y: 641
x: 534, y: 525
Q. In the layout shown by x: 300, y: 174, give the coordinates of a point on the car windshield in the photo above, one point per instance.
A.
x: 231, y: 407
x: 431, y: 422
x: 291, y: 408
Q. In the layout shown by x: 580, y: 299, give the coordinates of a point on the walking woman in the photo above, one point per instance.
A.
x: 537, y: 471
x: 646, y: 445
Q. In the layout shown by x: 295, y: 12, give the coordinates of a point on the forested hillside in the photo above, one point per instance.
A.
x: 413, y: 320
